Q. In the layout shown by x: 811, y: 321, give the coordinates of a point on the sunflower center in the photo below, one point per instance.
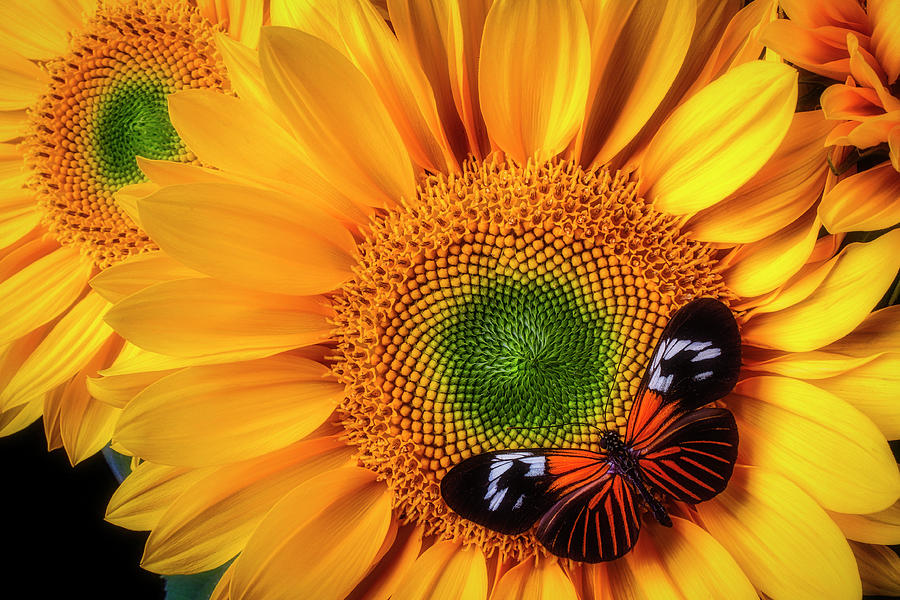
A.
x: 505, y: 307
x: 107, y: 105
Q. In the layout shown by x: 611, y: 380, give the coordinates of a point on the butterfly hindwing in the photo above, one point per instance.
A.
x: 691, y: 457
x: 596, y: 522
x: 698, y: 356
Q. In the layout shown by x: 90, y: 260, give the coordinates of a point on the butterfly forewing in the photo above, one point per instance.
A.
x: 698, y: 356
x: 597, y: 522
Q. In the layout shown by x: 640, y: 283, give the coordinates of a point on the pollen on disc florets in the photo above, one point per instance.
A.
x: 107, y: 105
x: 504, y: 307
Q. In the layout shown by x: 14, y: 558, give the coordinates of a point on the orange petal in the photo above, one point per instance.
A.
x: 346, y: 512
x: 637, y: 50
x: 381, y: 582
x: 541, y: 579
x: 784, y: 542
x: 210, y: 318
x: 217, y: 228
x: 213, y: 519
x: 821, y: 50
x: 885, y: 15
x: 882, y: 527
x: 720, y: 137
x: 867, y: 201
x: 533, y: 75
x: 335, y: 112
x: 446, y: 571
x: 821, y: 443
x: 855, y: 281
x: 259, y: 406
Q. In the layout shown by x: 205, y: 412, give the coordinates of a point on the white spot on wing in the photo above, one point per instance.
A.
x: 675, y: 347
x: 496, y: 500
x: 518, y: 503
x: 707, y: 354
x: 698, y: 346
x: 703, y: 375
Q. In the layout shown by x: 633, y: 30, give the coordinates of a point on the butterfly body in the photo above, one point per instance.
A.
x: 587, y: 505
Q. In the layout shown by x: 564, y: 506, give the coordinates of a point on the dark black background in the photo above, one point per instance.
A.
x: 54, y: 539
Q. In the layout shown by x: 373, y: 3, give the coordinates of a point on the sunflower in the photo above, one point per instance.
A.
x: 859, y: 46
x: 464, y: 232
x: 82, y: 92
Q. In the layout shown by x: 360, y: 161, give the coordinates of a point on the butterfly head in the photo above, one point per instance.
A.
x: 611, y: 441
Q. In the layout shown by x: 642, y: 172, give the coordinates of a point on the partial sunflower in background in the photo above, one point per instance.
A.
x: 858, y: 45
x: 396, y: 212
x: 83, y: 89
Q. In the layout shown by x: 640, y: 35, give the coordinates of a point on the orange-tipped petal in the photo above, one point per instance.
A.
x: 446, y: 571
x: 866, y: 201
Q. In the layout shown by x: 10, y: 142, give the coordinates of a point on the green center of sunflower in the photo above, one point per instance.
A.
x: 505, y: 307
x: 105, y: 107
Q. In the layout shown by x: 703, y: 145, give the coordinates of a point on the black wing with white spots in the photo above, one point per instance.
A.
x: 698, y: 356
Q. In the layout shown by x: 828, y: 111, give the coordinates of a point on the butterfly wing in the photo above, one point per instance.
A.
x: 508, y: 490
x: 596, y: 522
x: 689, y: 455
x: 698, y: 356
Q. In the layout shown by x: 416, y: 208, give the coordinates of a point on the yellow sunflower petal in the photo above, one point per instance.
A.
x: 148, y: 491
x: 137, y: 272
x: 337, y: 115
x: 872, y: 389
x: 213, y: 519
x: 697, y: 565
x: 118, y: 390
x: 39, y: 30
x: 13, y: 124
x: 86, y: 424
x: 542, y: 579
x: 216, y: 228
x: 885, y: 15
x: 74, y: 339
x: 18, y: 215
x: 50, y: 417
x: 446, y: 571
x: 784, y: 542
x: 777, y: 195
x: 346, y: 511
x: 241, y: 18
x: 206, y: 317
x: 882, y: 527
x: 47, y: 284
x: 534, y: 75
x: 637, y: 50
x: 762, y: 266
x: 855, y: 281
x: 21, y: 81
x: 720, y: 137
x: 222, y: 591
x: 19, y: 417
x: 818, y: 441
x: 866, y: 201
x: 381, y: 582
x: 879, y: 569
x: 134, y: 360
x: 259, y: 406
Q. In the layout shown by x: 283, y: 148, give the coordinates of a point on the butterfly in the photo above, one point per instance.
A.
x: 586, y: 504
